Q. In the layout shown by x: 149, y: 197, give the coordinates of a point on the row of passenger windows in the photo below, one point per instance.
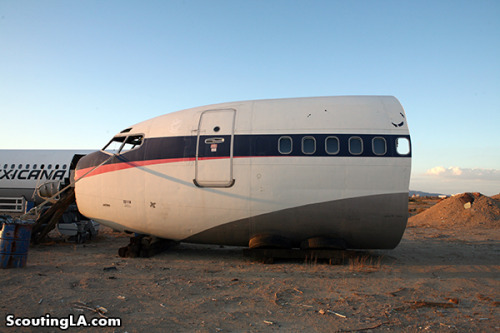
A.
x: 355, y: 144
x: 34, y: 166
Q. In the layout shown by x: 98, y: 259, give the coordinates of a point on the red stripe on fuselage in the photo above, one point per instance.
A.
x: 125, y: 165
x: 135, y: 164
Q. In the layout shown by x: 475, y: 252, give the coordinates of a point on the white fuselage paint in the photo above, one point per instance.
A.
x: 162, y: 199
x: 22, y: 170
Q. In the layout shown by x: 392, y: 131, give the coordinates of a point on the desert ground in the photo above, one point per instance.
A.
x: 443, y: 277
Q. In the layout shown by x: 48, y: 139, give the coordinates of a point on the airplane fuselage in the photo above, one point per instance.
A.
x: 301, y: 168
x: 22, y: 170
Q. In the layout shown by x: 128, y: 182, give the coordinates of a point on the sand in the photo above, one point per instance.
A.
x: 439, y: 278
x: 464, y: 211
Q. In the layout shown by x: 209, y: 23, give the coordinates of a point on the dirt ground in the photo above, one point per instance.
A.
x: 437, y: 280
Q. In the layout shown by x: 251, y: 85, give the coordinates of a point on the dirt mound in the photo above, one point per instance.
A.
x: 466, y: 210
x: 496, y: 197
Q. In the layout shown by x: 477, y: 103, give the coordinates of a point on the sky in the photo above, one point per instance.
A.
x: 74, y: 73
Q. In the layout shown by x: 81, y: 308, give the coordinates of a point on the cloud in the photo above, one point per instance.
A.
x: 436, y: 171
x: 454, y: 179
x: 464, y: 173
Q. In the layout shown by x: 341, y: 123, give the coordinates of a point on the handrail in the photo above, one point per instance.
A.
x: 64, y: 189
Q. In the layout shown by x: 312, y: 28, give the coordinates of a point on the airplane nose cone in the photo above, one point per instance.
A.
x: 90, y: 162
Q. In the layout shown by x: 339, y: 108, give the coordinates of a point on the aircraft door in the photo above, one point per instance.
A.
x: 214, y: 149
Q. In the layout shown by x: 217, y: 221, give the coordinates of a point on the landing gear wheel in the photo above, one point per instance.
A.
x: 323, y: 243
x: 145, y: 246
x: 81, y: 237
x: 269, y: 241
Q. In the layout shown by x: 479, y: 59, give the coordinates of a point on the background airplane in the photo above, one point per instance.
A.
x: 22, y: 172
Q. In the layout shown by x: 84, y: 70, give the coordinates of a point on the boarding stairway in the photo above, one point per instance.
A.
x: 47, y: 219
x: 13, y: 204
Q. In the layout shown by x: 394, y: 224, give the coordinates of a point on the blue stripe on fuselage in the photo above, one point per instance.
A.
x: 260, y: 145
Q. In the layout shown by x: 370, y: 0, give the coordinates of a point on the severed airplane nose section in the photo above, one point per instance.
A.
x: 89, y: 183
x: 103, y: 190
x: 90, y: 163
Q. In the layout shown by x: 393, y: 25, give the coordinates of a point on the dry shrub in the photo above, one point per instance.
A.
x: 365, y: 263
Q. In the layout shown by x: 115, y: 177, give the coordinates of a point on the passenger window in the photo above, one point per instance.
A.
x: 332, y: 145
x: 355, y: 145
x: 12, y: 166
x: 403, y: 146
x: 20, y: 166
x: 379, y: 146
x: 50, y: 166
x: 27, y: 166
x: 64, y: 166
x: 5, y: 166
x: 308, y: 145
x: 285, y: 145
x: 34, y: 166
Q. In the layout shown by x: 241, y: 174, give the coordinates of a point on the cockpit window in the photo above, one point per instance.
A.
x: 122, y: 144
x: 113, y: 147
x: 132, y: 142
